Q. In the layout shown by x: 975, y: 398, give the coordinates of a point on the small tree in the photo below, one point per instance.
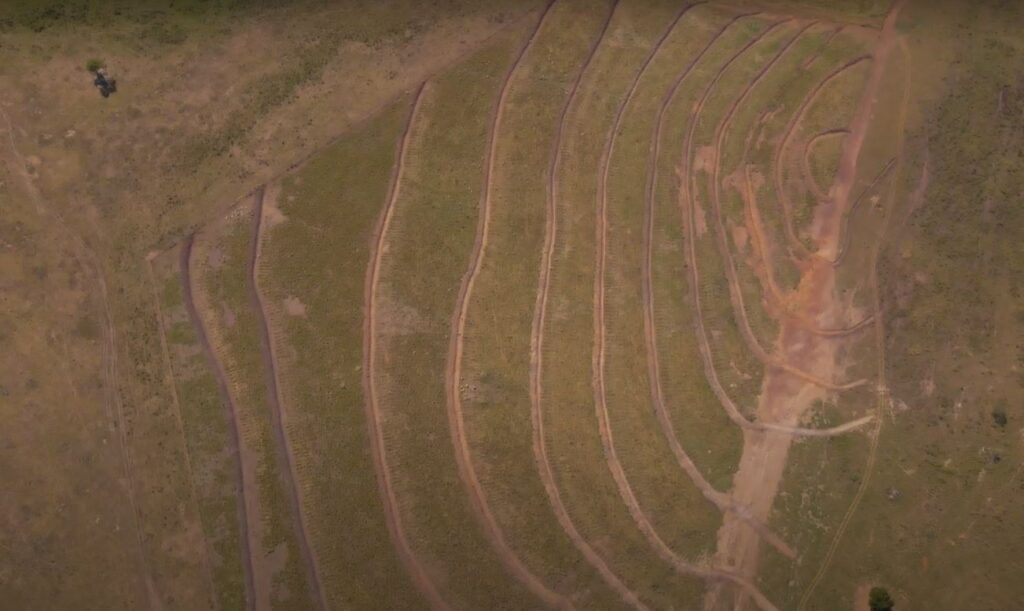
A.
x: 879, y: 600
x: 93, y: 65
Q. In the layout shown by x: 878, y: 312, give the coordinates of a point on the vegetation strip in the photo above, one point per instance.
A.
x: 537, y: 345
x: 601, y: 407
x: 723, y: 501
x: 686, y: 189
x: 396, y: 528
x: 453, y: 369
x: 231, y: 415
x: 284, y: 452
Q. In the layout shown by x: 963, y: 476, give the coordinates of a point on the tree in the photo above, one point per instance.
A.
x: 879, y: 600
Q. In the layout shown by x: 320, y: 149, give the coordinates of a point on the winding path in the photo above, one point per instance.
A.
x: 231, y: 417
x: 378, y: 448
x: 286, y: 459
x: 809, y: 178
x: 453, y: 368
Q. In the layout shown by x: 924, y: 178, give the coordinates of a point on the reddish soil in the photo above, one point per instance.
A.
x: 378, y: 447
x: 453, y: 369
x: 245, y: 496
x: 722, y: 501
x: 285, y: 457
x: 537, y: 350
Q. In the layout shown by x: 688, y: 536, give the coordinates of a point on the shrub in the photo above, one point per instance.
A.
x: 93, y: 65
x: 879, y: 600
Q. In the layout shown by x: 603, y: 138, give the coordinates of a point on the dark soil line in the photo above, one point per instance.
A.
x: 453, y: 366
x: 666, y: 553
x: 230, y: 416
x: 809, y: 178
x: 378, y: 448
x: 723, y: 502
x: 686, y: 190
x: 537, y: 346
x: 787, y: 206
x: 813, y: 58
x: 289, y: 476
x: 180, y: 423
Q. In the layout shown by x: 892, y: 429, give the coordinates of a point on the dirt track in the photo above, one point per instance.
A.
x: 245, y: 496
x: 618, y: 473
x: 453, y: 368
x: 275, y: 400
x: 378, y: 448
x: 537, y: 349
x: 809, y: 179
x: 723, y: 502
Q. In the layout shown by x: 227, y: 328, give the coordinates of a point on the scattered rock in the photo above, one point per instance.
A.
x: 893, y: 494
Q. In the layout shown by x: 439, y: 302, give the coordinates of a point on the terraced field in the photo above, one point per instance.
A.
x: 540, y: 329
x: 597, y: 315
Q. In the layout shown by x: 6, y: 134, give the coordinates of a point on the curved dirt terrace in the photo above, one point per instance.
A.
x: 284, y: 451
x: 378, y: 447
x: 722, y: 501
x: 775, y: 296
x: 795, y: 243
x: 453, y: 368
x: 807, y: 63
x: 735, y: 293
x: 246, y: 498
x: 687, y: 187
x: 809, y: 179
x: 608, y: 442
x: 537, y: 348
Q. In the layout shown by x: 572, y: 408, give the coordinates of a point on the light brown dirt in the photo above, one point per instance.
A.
x: 378, y: 447
x: 453, y: 368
